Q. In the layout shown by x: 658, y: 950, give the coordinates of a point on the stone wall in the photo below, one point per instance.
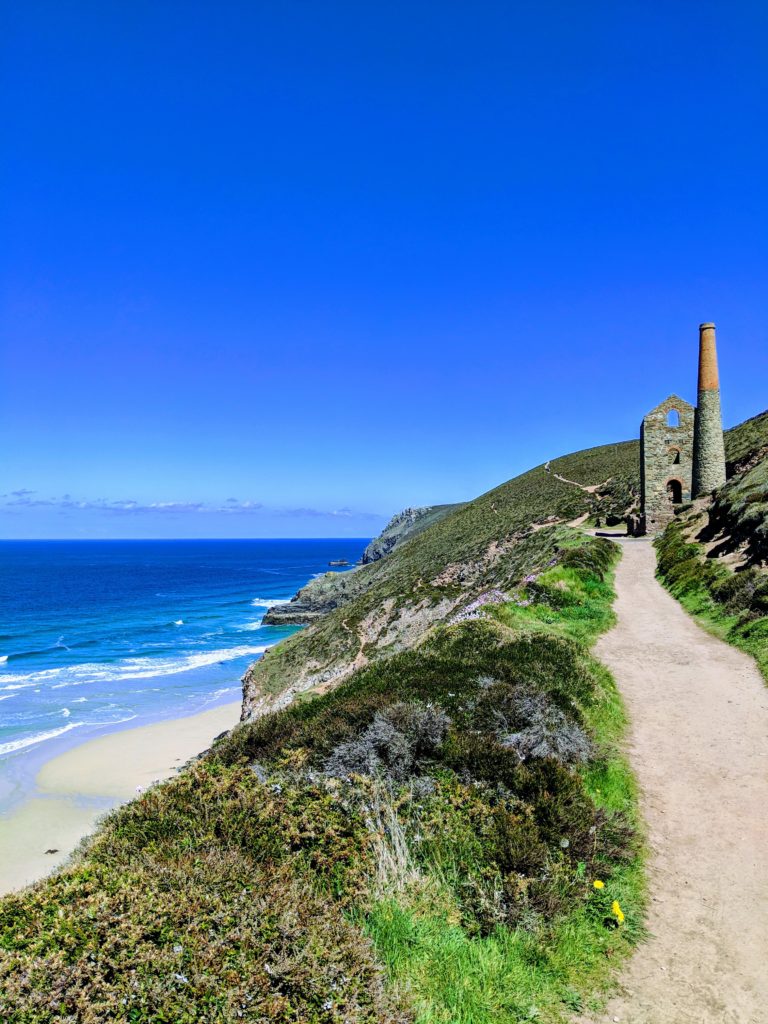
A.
x: 666, y: 462
x: 709, y: 451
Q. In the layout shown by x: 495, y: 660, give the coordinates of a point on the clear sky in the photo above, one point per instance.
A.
x: 280, y: 267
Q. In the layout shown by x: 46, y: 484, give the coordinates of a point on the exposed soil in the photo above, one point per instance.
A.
x: 699, y: 747
x: 587, y: 488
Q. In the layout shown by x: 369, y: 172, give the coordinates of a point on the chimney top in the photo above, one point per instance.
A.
x: 708, y: 376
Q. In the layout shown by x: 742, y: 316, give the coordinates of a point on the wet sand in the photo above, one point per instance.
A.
x: 74, y: 789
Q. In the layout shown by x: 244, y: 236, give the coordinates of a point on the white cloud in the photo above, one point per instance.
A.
x: 16, y: 501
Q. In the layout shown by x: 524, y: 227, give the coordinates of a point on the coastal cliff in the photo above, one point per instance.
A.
x: 333, y: 589
x: 402, y: 526
x: 432, y: 575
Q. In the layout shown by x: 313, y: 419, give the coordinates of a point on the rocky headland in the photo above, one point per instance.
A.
x: 327, y: 592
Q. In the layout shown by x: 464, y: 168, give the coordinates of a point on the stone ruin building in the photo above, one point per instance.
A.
x: 682, y: 452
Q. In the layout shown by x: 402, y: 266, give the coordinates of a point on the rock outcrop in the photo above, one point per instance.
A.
x: 322, y: 594
x: 403, y: 526
x: 327, y: 592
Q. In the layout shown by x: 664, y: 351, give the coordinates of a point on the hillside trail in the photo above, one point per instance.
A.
x: 699, y: 747
x: 587, y: 488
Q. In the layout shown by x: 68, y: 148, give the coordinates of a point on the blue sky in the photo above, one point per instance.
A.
x: 281, y: 268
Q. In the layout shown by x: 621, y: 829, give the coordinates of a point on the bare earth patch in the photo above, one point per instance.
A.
x: 699, y: 746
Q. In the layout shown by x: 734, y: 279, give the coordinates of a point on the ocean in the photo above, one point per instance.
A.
x: 98, y: 634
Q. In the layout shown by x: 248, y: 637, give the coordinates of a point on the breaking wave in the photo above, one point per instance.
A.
x: 127, y: 668
x: 28, y: 741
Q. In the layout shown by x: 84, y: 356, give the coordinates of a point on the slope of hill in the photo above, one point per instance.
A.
x: 714, y: 556
x: 402, y: 526
x: 390, y: 604
x: 448, y: 835
x: 332, y: 589
x: 419, y: 845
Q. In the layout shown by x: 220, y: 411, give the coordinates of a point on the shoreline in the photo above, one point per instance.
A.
x: 75, y: 788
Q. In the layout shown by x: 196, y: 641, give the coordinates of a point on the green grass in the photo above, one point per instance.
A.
x: 512, y: 975
x: 545, y: 971
x: 567, y: 604
x: 732, y: 606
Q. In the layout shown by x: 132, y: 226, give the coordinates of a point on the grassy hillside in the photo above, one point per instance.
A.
x: 482, y: 545
x: 403, y: 526
x: 714, y: 557
x: 738, y: 518
x: 421, y: 844
x: 387, y: 606
x: 746, y: 442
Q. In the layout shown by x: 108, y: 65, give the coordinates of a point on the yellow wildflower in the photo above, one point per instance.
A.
x: 618, y: 913
x: 598, y: 884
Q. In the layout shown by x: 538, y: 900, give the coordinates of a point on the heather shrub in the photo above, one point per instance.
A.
x: 525, y: 721
x: 737, y: 591
x: 201, y: 937
x: 394, y: 745
x: 596, y: 558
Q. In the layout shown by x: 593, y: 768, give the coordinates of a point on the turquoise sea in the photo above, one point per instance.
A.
x: 98, y: 634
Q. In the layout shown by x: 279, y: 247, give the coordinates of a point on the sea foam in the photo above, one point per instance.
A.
x: 148, y: 668
x: 127, y: 668
x: 28, y: 741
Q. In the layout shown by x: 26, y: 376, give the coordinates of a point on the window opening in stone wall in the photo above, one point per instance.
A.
x: 674, y: 454
x: 673, y: 418
x: 675, y: 492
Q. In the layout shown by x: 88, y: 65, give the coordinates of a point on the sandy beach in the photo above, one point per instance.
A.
x: 74, y: 789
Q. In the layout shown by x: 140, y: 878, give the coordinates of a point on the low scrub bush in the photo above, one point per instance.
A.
x: 734, y: 605
x: 395, y: 745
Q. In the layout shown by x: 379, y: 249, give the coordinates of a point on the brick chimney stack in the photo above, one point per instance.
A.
x: 708, y: 442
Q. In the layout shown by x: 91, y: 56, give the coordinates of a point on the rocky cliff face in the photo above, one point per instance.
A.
x: 403, y: 526
x: 321, y: 595
x: 328, y: 592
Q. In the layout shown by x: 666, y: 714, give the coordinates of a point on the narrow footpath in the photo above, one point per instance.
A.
x: 699, y: 747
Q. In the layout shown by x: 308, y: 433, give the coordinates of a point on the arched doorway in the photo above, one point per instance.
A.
x: 675, y: 492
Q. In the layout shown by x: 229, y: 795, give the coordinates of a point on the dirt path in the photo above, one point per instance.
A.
x: 699, y: 746
x: 587, y: 488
